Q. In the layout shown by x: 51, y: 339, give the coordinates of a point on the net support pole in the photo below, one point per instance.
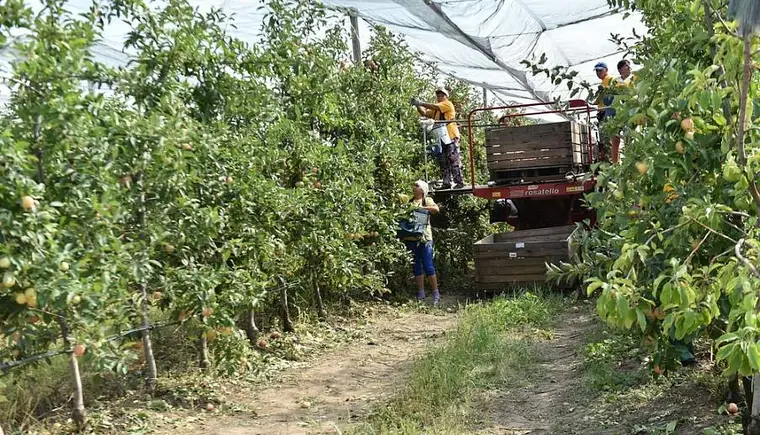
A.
x: 424, y: 153
x: 355, y: 37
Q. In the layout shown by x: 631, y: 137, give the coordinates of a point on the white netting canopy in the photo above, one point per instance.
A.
x: 484, y: 41
x: 479, y: 41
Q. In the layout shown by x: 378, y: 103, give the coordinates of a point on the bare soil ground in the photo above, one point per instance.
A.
x: 343, y: 385
x: 336, y: 388
x: 561, y: 401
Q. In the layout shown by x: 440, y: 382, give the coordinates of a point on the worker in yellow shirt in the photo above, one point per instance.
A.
x: 626, y: 80
x: 604, y: 100
x: 604, y: 111
x: 626, y: 76
x: 450, y: 160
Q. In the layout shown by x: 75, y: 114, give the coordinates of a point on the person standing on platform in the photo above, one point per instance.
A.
x: 450, y: 158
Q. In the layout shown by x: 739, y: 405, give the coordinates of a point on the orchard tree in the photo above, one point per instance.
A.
x: 674, y: 255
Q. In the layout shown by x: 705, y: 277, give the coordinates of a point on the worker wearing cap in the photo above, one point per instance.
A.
x: 604, y: 100
x: 422, y: 248
x: 450, y: 160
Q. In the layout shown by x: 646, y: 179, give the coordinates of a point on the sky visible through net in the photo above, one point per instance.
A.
x: 481, y: 42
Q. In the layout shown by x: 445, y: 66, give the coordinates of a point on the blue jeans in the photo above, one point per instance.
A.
x: 423, y: 257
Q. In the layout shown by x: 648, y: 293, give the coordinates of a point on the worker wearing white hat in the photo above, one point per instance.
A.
x: 450, y: 160
x: 421, y: 248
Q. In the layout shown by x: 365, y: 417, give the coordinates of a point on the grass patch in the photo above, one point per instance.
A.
x: 491, y: 347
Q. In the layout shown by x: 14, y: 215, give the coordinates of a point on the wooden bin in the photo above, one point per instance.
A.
x: 520, y: 256
x: 534, y: 151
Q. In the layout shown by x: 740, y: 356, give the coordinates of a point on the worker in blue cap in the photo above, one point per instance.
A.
x: 603, y: 103
x: 604, y: 100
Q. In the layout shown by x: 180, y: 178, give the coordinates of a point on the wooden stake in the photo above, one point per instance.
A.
x: 355, y: 37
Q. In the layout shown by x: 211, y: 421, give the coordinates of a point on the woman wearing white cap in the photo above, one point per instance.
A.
x: 450, y: 160
x: 422, y: 248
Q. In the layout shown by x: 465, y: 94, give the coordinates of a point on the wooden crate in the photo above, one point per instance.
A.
x: 521, y: 256
x: 519, y: 152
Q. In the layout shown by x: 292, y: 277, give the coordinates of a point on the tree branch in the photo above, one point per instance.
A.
x: 750, y: 266
x: 696, y: 248
x: 714, y: 232
x: 742, y: 153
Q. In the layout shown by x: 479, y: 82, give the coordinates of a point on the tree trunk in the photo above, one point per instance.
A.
x: 38, y: 149
x: 734, y: 390
x: 709, y: 25
x: 152, y: 376
x: 249, y: 325
x: 287, y: 322
x: 78, y: 413
x: 752, y: 427
x: 203, y: 360
x: 321, y: 312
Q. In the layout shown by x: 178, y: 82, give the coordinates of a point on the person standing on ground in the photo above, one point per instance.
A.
x: 450, y: 160
x: 422, y: 248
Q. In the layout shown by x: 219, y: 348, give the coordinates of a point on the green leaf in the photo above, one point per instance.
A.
x: 671, y: 427
x: 726, y: 351
x: 726, y: 338
x: 642, y: 320
x: 753, y: 355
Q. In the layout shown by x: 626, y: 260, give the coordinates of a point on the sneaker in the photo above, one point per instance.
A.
x: 436, y: 299
x: 421, y: 295
x: 446, y: 186
x: 458, y: 185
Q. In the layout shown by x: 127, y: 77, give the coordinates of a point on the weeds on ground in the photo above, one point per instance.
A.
x: 490, y: 348
x: 37, y: 397
x: 623, y: 396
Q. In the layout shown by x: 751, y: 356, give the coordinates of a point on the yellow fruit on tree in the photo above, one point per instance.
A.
x: 211, y: 335
x: 679, y: 148
x: 27, y: 202
x: 8, y: 280
x: 5, y: 263
x: 31, y: 301
x: 689, y: 135
x: 187, y: 147
x: 687, y: 124
x: 79, y: 349
x: 64, y: 267
x: 21, y: 299
x: 642, y: 167
x: 30, y: 292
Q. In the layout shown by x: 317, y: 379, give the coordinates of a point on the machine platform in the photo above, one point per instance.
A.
x: 549, y: 189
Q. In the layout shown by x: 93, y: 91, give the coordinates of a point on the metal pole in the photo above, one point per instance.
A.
x: 355, y: 37
x: 485, y: 97
x: 424, y: 152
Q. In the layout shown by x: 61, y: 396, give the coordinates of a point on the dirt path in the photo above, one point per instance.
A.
x: 540, y: 408
x: 338, y: 387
